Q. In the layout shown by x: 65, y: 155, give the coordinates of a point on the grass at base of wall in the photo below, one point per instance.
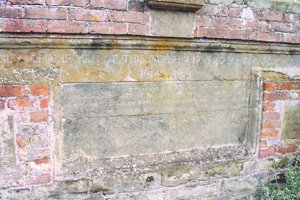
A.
x: 286, y: 186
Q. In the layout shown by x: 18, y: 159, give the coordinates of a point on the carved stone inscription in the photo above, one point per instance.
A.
x: 131, y: 118
x: 124, y: 65
x: 104, y: 100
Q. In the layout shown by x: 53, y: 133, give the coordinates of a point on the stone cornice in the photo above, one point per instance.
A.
x: 22, y: 41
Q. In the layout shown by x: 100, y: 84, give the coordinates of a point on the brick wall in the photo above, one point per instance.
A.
x: 25, y: 150
x: 277, y: 95
x: 233, y: 21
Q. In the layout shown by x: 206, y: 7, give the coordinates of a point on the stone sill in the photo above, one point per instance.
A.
x: 179, y: 5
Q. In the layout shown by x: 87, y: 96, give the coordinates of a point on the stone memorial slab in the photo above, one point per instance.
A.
x: 117, y: 97
x: 132, y: 118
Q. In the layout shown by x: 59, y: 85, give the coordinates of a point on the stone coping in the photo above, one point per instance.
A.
x: 180, y: 5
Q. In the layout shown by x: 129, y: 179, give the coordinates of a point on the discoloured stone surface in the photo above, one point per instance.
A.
x: 151, y: 162
x: 181, y: 175
x: 126, y: 183
x: 7, y: 147
x: 140, y: 118
x: 133, y: 135
x: 209, y: 191
x: 241, y: 187
x: 291, y: 129
x: 277, y: 5
x: 123, y: 99
x: 174, y: 24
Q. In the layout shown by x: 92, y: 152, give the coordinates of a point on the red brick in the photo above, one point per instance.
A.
x: 255, y: 25
x: 2, y: 105
x: 222, y: 22
x: 289, y: 86
x: 263, y: 145
x: 267, y: 116
x: 294, y: 95
x: 20, y: 103
x: 291, y: 18
x: 42, y: 161
x: 81, y: 3
x: 39, y: 116
x: 133, y: 17
x: 22, y: 25
x: 118, y: 28
x: 39, y: 90
x: 271, y: 124
x: 104, y: 28
x: 11, y: 91
x: 138, y: 29
x: 64, y: 26
x: 241, y: 34
x: 7, y: 12
x: 211, y: 33
x: 269, y: 36
x: 39, y: 179
x: 224, y: 33
x: 44, y: 103
x: 287, y: 149
x: 46, y: 13
x: 137, y: 6
x: 22, y: 141
x: 270, y: 86
x: 297, y: 27
x: 81, y: 14
x: 267, y: 152
x: 24, y: 102
x: 274, y: 96
x: 214, y: 10
x: 110, y: 4
x: 267, y: 133
x: 38, y: 174
x: 30, y: 2
x: 281, y: 27
x: 39, y: 171
x: 204, y: 21
x: 270, y: 15
x: 291, y: 38
x: 268, y: 106
x: 234, y: 12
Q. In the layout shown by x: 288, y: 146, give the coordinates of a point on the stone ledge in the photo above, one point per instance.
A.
x: 56, y: 41
x: 180, y: 5
x: 152, y: 162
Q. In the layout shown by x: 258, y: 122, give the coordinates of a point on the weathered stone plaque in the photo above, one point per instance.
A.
x: 140, y: 102
x: 114, y: 99
x: 94, y: 117
x: 138, y: 118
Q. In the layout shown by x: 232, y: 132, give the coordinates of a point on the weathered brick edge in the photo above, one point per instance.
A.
x: 274, y: 95
x: 28, y: 105
x: 124, y: 17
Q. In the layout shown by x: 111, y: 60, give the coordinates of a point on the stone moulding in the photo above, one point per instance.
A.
x: 143, y: 43
x: 180, y: 5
